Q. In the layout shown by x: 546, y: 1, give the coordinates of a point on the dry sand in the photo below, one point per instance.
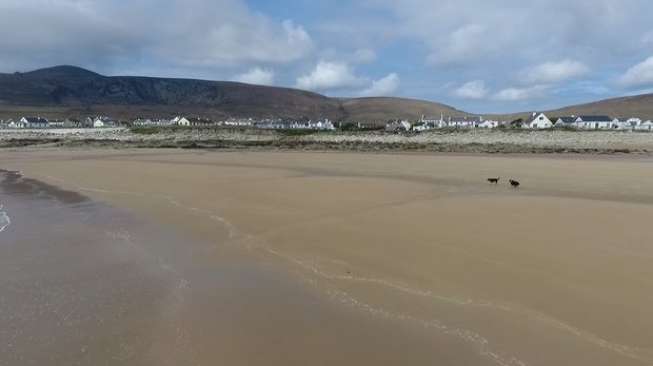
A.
x: 410, y: 259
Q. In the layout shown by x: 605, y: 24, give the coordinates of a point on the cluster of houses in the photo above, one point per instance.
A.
x: 42, y: 123
x: 270, y: 124
x: 425, y: 124
x: 542, y: 121
x: 536, y: 121
x: 102, y: 121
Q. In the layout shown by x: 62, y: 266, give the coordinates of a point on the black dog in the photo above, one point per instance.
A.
x: 514, y: 183
x: 494, y: 180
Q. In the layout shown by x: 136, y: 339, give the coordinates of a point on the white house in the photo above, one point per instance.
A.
x: 539, y: 121
x: 181, y: 121
x: 594, y: 122
x: 433, y: 122
x: 621, y: 124
x: 645, y: 126
x: 461, y: 122
x: 488, y: 124
x: 423, y: 126
x: 238, y: 123
x: 34, y: 122
x: 72, y: 123
x: 323, y: 125
x: 17, y: 124
x: 634, y: 122
x: 565, y: 122
x: 56, y: 123
x: 100, y: 122
x: 398, y: 126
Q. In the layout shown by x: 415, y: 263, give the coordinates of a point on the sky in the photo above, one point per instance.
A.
x: 481, y: 56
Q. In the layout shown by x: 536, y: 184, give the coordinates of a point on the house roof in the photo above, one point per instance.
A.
x: 595, y: 118
x: 567, y: 119
x: 534, y: 116
x: 462, y: 119
x: 36, y: 120
x: 199, y: 120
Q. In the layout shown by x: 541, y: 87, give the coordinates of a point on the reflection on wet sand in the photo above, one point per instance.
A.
x: 367, y: 259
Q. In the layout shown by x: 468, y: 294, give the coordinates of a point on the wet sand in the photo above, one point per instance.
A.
x: 298, y: 258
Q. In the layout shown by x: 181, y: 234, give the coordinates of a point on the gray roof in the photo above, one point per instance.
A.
x: 36, y: 120
x: 596, y: 119
x: 567, y: 119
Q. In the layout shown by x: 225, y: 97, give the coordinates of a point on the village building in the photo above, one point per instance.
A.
x: 56, y: 123
x: 33, y: 122
x: 5, y: 124
x: 460, y: 122
x: 565, y: 122
x: 321, y: 125
x: 645, y: 126
x: 594, y: 122
x: 181, y: 121
x: 488, y: 124
x: 432, y: 122
x: 398, y: 126
x: 72, y: 123
x: 539, y: 121
x: 621, y: 124
x: 139, y: 122
x: 634, y: 122
x: 196, y: 122
x: 17, y: 124
x: 422, y: 126
x: 325, y: 125
x: 238, y: 123
x: 103, y: 122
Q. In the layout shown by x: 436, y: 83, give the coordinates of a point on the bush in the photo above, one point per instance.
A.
x: 295, y: 132
x: 145, y: 130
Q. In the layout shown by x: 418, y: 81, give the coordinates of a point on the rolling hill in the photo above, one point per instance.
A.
x: 69, y: 91
x: 64, y: 91
x: 635, y: 106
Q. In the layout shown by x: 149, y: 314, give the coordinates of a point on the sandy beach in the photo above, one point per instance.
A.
x: 301, y: 258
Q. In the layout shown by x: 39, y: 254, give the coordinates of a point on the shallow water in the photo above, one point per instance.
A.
x: 84, y: 283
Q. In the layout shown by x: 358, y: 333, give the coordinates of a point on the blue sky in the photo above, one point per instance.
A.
x: 477, y: 55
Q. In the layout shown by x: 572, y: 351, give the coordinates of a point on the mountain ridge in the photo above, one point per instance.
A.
x: 69, y: 91
x: 73, y: 90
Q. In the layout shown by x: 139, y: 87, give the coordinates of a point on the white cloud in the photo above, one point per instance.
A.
x: 639, y: 75
x: 329, y: 76
x: 196, y: 34
x: 256, y: 76
x: 383, y: 87
x: 238, y: 40
x: 472, y: 90
x: 518, y: 94
x: 553, y: 72
x: 462, y: 45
